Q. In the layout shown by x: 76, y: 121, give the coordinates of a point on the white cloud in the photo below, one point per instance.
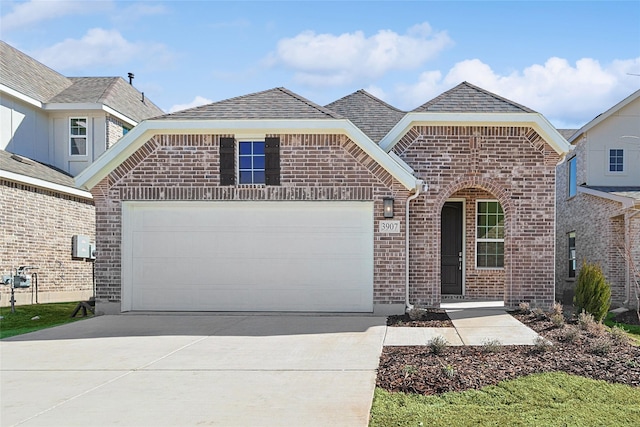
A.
x: 33, y: 12
x: 569, y: 95
x: 196, y: 102
x: 99, y: 47
x: 328, y: 59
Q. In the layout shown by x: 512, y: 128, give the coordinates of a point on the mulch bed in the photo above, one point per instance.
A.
x: 431, y: 318
x: 596, y: 355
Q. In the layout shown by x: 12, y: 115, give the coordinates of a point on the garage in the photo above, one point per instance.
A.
x: 247, y: 256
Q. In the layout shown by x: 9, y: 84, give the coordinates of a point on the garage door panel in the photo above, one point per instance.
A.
x: 257, y: 256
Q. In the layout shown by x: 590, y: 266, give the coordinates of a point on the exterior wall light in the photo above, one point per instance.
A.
x: 387, y: 204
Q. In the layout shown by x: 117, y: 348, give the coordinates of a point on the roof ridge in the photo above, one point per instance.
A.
x: 107, y: 90
x: 496, y: 96
x: 375, y: 98
x: 310, y: 103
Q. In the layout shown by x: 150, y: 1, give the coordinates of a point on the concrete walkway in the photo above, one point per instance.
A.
x: 472, y: 326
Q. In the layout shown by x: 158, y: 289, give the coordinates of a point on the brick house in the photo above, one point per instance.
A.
x: 52, y: 127
x: 598, y: 200
x: 297, y: 207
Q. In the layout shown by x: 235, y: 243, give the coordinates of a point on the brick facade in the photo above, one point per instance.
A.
x: 313, y: 167
x: 37, y: 227
x: 513, y: 165
x: 603, y: 229
x: 114, y: 130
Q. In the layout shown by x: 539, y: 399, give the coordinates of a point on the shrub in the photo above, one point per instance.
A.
x: 449, y: 371
x: 539, y: 313
x: 600, y: 346
x: 524, y: 307
x: 491, y: 346
x: 619, y: 335
x: 557, y: 320
x: 437, y: 344
x: 417, y: 313
x: 593, y: 293
x: 540, y: 345
x: 570, y: 334
x: 557, y: 308
x: 588, y: 323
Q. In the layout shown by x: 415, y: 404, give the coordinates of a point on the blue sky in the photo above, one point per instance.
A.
x: 569, y: 60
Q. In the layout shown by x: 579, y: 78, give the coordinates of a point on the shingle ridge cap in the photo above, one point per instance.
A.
x: 498, y: 97
x: 310, y: 103
x: 375, y: 98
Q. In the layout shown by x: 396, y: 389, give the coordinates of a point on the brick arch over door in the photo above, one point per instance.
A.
x: 504, y: 198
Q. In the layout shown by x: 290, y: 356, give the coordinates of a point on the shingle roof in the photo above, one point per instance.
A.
x: 24, y: 74
x: 111, y: 91
x: 23, y: 166
x: 373, y: 116
x: 28, y: 76
x: 277, y: 103
x: 567, y: 133
x: 467, y: 98
x: 631, y: 192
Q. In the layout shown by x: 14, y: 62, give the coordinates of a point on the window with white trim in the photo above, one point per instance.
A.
x: 78, y: 136
x: 573, y: 178
x: 489, y: 234
x: 572, y: 254
x: 616, y: 160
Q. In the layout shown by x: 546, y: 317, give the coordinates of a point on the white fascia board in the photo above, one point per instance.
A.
x: 602, y: 117
x: 59, y: 106
x: 534, y: 120
x: 627, y: 202
x: 140, y: 134
x: 20, y: 96
x: 40, y: 183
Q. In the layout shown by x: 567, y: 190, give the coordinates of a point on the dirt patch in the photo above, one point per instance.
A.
x: 629, y: 317
x: 431, y: 318
x: 595, y: 354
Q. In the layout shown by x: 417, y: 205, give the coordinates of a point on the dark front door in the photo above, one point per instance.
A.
x: 451, y: 248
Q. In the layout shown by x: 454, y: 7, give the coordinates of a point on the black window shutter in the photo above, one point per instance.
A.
x: 227, y: 161
x: 272, y: 161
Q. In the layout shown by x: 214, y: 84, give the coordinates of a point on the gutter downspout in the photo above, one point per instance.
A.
x: 627, y: 238
x: 419, y: 186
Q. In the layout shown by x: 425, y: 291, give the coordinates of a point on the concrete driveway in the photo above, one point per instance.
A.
x: 193, y: 370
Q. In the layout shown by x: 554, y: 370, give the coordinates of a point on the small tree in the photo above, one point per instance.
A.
x: 593, y: 293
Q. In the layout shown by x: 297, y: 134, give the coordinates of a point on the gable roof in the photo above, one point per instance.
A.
x: 23, y: 74
x: 372, y: 115
x: 277, y: 103
x: 468, y: 105
x: 268, y: 112
x: 27, y: 171
x: 601, y: 117
x: 114, y: 92
x: 467, y: 98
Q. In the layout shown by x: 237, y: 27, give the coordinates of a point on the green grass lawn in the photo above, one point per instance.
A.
x: 49, y: 315
x: 549, y: 399
x: 631, y: 329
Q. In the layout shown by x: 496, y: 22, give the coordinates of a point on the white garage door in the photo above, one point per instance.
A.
x: 248, y: 256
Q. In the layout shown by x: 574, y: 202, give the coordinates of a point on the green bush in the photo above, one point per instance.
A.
x: 593, y: 293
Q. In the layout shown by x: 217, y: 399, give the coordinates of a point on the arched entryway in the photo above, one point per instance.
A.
x: 475, y: 261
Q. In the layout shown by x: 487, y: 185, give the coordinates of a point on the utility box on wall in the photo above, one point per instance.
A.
x: 80, y: 246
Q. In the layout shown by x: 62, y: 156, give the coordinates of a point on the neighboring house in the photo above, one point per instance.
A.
x: 269, y: 202
x: 66, y: 122
x: 40, y: 211
x: 52, y: 127
x: 598, y: 202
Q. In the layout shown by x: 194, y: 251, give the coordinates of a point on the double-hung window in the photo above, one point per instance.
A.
x: 572, y: 254
x: 489, y: 234
x: 616, y: 160
x: 573, y: 178
x: 78, y: 136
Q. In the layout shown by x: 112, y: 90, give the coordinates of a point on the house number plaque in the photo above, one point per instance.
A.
x: 389, y: 227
